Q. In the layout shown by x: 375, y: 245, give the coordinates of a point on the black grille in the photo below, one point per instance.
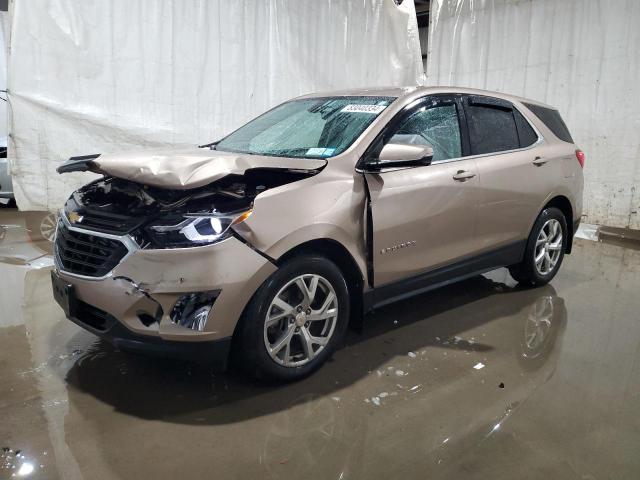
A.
x: 93, y: 316
x: 86, y: 254
x: 108, y: 223
x: 102, y: 220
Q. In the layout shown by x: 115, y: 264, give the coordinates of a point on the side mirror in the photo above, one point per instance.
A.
x: 395, y: 155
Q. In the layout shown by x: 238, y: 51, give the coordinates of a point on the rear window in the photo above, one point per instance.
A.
x: 552, y: 119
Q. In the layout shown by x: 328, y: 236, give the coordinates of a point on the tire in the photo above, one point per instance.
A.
x: 257, y: 349
x: 528, y: 272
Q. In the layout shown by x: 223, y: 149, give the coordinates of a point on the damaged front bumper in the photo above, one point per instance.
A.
x: 182, y: 302
x: 107, y: 327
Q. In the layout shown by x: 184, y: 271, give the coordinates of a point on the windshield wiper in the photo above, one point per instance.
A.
x: 286, y: 151
x: 211, y: 146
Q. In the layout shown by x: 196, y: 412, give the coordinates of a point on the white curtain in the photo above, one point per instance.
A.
x: 581, y: 56
x: 93, y: 76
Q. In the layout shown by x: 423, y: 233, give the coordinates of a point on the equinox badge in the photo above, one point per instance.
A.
x: 395, y: 248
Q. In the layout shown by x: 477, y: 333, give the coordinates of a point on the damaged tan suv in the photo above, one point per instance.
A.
x: 269, y: 242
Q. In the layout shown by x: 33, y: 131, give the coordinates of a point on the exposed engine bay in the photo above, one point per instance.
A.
x: 118, y: 206
x: 231, y: 193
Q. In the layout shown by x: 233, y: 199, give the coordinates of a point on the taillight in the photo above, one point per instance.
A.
x: 581, y: 157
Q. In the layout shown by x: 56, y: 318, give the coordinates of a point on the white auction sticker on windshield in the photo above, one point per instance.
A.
x: 374, y: 109
x: 316, y: 151
x: 320, y: 152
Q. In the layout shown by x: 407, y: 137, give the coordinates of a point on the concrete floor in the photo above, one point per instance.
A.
x: 476, y: 380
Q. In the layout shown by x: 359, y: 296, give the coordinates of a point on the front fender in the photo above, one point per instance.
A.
x: 321, y: 207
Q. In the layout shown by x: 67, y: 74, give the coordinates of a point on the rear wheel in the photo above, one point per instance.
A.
x: 545, y: 249
x: 295, y: 320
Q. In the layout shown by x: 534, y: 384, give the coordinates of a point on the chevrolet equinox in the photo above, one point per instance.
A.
x: 267, y: 243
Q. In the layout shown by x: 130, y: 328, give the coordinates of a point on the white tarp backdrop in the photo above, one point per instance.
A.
x: 581, y: 56
x: 4, y: 37
x: 99, y: 77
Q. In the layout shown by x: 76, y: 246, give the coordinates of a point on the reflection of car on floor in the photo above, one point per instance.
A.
x: 538, y: 336
x: 41, y: 229
x: 26, y: 232
x: 41, y: 225
x: 326, y: 206
x: 307, y: 423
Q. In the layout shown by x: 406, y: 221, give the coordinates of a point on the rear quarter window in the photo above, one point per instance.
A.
x: 527, y: 135
x: 553, y: 121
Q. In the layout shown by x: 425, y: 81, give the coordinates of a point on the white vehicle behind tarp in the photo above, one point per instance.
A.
x: 100, y: 77
x: 6, y: 189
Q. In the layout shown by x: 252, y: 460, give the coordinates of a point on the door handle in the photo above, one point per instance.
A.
x: 539, y: 161
x: 463, y: 175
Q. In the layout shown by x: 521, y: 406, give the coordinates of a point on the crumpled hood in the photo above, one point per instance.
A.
x: 182, y: 169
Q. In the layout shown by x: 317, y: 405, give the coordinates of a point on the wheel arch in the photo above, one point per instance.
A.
x: 338, y: 254
x: 563, y: 204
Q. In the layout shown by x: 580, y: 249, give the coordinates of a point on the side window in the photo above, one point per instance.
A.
x: 436, y: 126
x: 491, y: 129
x: 526, y: 134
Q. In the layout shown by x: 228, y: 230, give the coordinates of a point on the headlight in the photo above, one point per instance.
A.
x: 194, y: 229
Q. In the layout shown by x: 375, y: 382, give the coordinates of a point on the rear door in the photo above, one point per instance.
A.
x: 511, y: 170
x: 423, y: 216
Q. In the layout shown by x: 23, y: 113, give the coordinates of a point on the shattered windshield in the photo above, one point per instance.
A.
x: 307, y: 128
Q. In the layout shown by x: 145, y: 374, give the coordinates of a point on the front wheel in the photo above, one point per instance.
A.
x: 294, y: 321
x: 544, y: 251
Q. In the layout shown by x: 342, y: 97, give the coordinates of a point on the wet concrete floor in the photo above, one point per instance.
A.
x: 476, y: 380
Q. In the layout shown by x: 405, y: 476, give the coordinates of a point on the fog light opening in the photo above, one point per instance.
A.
x: 146, y: 319
x: 192, y: 310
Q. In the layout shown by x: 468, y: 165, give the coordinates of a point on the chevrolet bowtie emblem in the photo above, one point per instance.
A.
x: 75, y: 217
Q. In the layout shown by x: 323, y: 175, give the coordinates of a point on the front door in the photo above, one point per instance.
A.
x: 424, y: 217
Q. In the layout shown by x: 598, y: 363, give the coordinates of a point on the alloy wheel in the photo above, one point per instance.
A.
x: 548, y: 246
x: 300, y: 320
x: 48, y: 227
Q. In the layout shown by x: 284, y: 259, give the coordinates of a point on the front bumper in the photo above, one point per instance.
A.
x: 148, y: 283
x: 212, y: 352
